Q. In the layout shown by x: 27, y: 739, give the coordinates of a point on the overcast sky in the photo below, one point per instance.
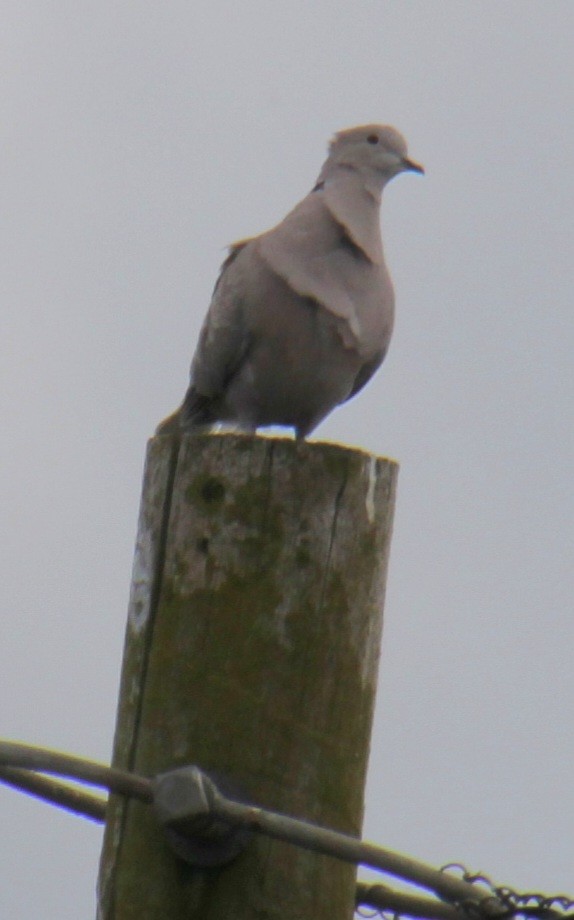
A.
x: 138, y: 140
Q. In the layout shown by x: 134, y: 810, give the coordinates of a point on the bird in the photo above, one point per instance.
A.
x: 301, y: 316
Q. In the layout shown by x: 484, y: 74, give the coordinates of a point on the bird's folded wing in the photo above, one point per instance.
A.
x: 224, y: 337
x: 316, y: 256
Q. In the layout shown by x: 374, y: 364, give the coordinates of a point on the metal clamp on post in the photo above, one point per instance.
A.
x: 184, y: 803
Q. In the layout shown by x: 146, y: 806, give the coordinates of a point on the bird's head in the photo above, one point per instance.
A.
x: 376, y: 149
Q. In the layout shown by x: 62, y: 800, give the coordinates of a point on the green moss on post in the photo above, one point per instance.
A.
x: 252, y: 650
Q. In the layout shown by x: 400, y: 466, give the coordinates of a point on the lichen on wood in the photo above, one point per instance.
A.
x: 257, y: 659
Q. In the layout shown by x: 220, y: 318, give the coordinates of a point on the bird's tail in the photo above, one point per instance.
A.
x: 194, y: 413
x: 170, y: 425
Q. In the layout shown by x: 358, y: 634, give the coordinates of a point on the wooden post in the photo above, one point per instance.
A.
x: 252, y: 651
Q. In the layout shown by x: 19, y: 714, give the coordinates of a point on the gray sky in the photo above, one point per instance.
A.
x: 138, y: 140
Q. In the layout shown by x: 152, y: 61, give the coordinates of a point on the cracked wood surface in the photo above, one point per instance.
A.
x: 252, y: 650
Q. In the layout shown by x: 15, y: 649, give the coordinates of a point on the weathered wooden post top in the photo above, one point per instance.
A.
x: 252, y: 651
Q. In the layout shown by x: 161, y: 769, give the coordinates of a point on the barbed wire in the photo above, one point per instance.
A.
x: 525, y: 904
x: 384, y: 902
x: 462, y: 895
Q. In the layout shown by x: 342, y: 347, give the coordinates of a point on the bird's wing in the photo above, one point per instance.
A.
x: 224, y: 337
x: 365, y: 374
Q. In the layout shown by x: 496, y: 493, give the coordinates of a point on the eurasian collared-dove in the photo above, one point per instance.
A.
x: 301, y: 316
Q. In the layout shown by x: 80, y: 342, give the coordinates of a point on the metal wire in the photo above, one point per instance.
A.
x: 86, y: 771
x: 60, y: 794
x: 520, y: 904
x: 390, y: 903
x: 471, y: 895
x: 349, y: 849
x: 516, y: 904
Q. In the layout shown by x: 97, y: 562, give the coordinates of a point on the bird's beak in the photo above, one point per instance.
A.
x: 412, y: 166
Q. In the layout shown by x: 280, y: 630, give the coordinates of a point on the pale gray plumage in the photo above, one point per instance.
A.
x: 302, y: 315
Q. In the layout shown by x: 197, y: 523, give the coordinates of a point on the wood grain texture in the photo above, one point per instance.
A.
x: 252, y: 650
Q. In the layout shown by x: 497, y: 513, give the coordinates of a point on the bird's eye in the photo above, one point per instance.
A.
x: 373, y: 139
